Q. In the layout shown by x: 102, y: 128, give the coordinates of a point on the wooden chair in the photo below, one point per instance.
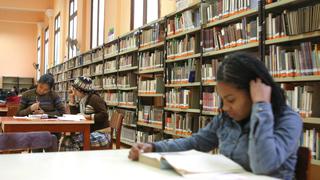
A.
x: 12, y: 109
x: 303, y: 163
x: 115, y: 126
x: 26, y: 141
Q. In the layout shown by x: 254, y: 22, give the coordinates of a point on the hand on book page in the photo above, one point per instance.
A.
x: 191, y: 162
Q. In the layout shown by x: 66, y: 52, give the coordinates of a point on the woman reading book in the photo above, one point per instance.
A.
x: 93, y: 107
x: 256, y: 128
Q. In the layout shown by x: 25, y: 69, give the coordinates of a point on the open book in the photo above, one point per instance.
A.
x: 191, y: 162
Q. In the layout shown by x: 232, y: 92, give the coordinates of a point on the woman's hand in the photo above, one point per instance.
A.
x: 139, y: 148
x: 88, y: 117
x: 259, y: 91
x: 35, y: 106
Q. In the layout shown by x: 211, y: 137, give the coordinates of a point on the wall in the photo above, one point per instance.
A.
x: 18, y: 49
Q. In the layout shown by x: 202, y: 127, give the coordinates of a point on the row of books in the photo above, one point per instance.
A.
x: 179, y: 98
x: 127, y: 98
x: 97, y: 82
x: 97, y: 55
x: 111, y: 97
x: 311, y: 139
x: 87, y: 58
x: 177, y: 48
x: 299, y: 60
x: 128, y: 135
x: 110, y: 65
x: 182, y: 72
x: 127, y: 80
x: 181, y: 124
x: 220, y: 9
x: 127, y: 61
x: 111, y: 49
x: 151, y: 60
x: 86, y: 71
x: 129, y: 117
x: 98, y: 69
x: 209, y: 70
x: 110, y: 82
x: 233, y: 35
x: 128, y: 43
x: 150, y: 114
x: 61, y: 86
x: 153, y: 35
x: 152, y: 86
x: 211, y: 101
x: 303, y: 99
x: 187, y: 20
x: 293, y: 22
x: 76, y: 73
x: 146, y: 137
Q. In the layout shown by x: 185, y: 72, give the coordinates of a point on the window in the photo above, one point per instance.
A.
x: 72, y: 28
x: 97, y: 23
x: 46, y: 49
x: 57, y: 39
x: 144, y: 11
x: 38, y: 56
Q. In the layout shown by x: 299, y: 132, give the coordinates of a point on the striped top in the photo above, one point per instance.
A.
x: 50, y: 103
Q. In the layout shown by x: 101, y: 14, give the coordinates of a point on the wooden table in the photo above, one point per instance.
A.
x: 3, y: 110
x: 9, y: 124
x: 86, y: 165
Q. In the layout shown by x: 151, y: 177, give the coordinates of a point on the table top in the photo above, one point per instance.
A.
x: 11, y: 120
x: 107, y: 164
x: 3, y: 109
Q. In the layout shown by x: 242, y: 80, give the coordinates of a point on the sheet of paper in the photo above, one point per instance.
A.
x: 72, y: 117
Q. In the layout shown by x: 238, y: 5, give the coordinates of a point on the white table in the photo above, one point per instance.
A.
x: 83, y: 165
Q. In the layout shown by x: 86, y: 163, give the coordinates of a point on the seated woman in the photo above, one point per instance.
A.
x: 93, y: 107
x: 256, y: 128
x: 42, y: 99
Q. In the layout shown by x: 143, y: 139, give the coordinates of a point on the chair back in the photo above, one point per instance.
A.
x: 12, y: 109
x: 11, y: 142
x: 303, y: 163
x: 116, y: 124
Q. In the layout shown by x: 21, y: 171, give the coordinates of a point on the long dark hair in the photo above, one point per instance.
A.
x: 240, y: 68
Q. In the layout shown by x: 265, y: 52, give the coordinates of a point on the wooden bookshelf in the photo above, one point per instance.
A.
x: 209, y: 83
x: 194, y: 30
x: 250, y: 12
x: 234, y: 49
x: 110, y: 72
x: 128, y: 88
x: 110, y: 56
x: 294, y: 38
x: 112, y: 104
x: 192, y: 5
x: 128, y: 51
x: 155, y: 70
x: 174, y: 134
x: 150, y: 95
x: 152, y: 46
x: 311, y: 120
x: 128, y: 69
x: 182, y: 110
x: 183, y: 85
x: 298, y: 79
x: 110, y: 88
x: 130, y: 125
x: 183, y: 58
x: 155, y: 126
x: 127, y: 107
x: 279, y: 4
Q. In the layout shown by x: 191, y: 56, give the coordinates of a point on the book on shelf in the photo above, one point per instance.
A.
x: 128, y: 134
x: 311, y: 139
x: 183, y: 72
x: 110, y: 66
x: 202, y: 122
x: 97, y: 82
x: 220, y: 9
x: 98, y: 68
x: 187, y: 20
x: 127, y: 61
x: 151, y: 60
x: 129, y: 42
x: 152, y: 85
x: 111, y: 98
x: 129, y: 117
x: 211, y: 101
x: 182, y: 98
x: 182, y: 4
x: 86, y: 71
x: 110, y: 82
x: 182, y: 47
x: 127, y: 80
x: 233, y: 35
x: 71, y: 63
x: 153, y: 35
x: 293, y: 22
x: 87, y: 58
x: 150, y: 114
x: 111, y: 49
x: 180, y: 123
x: 300, y: 60
x: 147, y: 137
x: 79, y: 61
x: 303, y: 99
x: 97, y: 55
x: 191, y: 162
x: 77, y: 72
x: 209, y: 70
x: 127, y: 98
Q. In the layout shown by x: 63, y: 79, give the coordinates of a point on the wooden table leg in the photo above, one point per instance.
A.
x: 86, y: 138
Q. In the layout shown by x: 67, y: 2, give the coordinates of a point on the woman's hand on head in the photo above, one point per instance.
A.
x: 139, y: 148
x: 259, y: 91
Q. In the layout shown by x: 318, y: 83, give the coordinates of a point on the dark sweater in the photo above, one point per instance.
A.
x: 94, y: 105
x: 50, y: 103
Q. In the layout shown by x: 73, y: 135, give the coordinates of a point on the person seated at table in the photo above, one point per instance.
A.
x: 256, y: 128
x: 12, y: 98
x: 42, y: 99
x: 93, y: 107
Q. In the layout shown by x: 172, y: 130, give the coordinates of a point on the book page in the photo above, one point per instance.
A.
x: 189, y: 162
x: 72, y: 117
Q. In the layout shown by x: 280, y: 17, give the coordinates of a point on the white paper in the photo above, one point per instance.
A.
x: 72, y: 117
